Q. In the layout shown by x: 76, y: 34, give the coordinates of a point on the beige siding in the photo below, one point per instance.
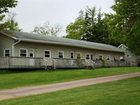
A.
x: 40, y: 48
x: 5, y: 43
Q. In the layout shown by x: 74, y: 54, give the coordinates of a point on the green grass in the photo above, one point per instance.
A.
x: 124, y: 92
x: 13, y: 80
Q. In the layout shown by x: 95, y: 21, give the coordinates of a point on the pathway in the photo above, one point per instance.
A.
x: 34, y: 90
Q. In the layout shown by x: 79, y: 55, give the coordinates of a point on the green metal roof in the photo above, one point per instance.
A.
x: 30, y: 37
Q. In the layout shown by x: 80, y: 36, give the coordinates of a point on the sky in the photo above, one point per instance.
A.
x: 31, y: 13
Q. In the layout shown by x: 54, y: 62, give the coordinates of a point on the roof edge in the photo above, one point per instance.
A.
x: 49, y: 42
x: 8, y: 35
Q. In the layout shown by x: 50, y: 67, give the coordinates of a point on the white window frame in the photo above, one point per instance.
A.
x: 101, y: 57
x: 73, y: 55
x: 92, y: 56
x: 23, y: 49
x: 108, y: 58
x: 49, y: 53
x: 62, y: 54
x: 32, y: 52
x: 89, y: 56
x: 5, y: 51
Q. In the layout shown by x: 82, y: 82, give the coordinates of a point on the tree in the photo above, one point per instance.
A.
x: 90, y: 22
x: 113, y: 32
x: 89, y: 26
x: 126, y: 23
x: 10, y: 23
x: 134, y: 40
x: 96, y: 27
x: 76, y: 30
x: 47, y: 29
x: 5, y: 5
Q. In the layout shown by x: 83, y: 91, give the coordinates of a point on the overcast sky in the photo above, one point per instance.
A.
x: 31, y: 13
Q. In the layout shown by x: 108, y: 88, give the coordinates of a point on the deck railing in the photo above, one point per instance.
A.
x: 20, y: 62
x: 69, y: 63
x: 28, y: 62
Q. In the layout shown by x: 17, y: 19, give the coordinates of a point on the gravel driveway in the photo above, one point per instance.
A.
x: 41, y: 89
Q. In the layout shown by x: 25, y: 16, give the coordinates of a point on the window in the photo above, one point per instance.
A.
x: 87, y: 56
x: 47, y: 53
x: 60, y: 54
x: 127, y: 55
x: 6, y: 52
x: 91, y: 56
x: 108, y: 58
x: 71, y: 55
x: 23, y: 52
x: 31, y: 53
x: 100, y: 57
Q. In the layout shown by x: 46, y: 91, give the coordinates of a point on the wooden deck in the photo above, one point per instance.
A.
x: 23, y: 63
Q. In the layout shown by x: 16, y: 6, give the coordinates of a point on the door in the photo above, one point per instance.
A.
x: 31, y: 55
x: 78, y: 55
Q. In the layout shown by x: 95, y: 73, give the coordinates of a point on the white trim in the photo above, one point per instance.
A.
x: 89, y: 56
x: 31, y: 52
x: 49, y: 54
x: 13, y: 47
x: 102, y: 56
x: 122, y: 45
x: 62, y: 54
x: 8, y: 35
x: 92, y: 56
x: 73, y: 54
x: 9, y: 52
x: 108, y: 57
x: 23, y: 49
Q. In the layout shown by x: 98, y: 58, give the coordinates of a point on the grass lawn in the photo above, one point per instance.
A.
x: 124, y: 92
x: 12, y: 80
